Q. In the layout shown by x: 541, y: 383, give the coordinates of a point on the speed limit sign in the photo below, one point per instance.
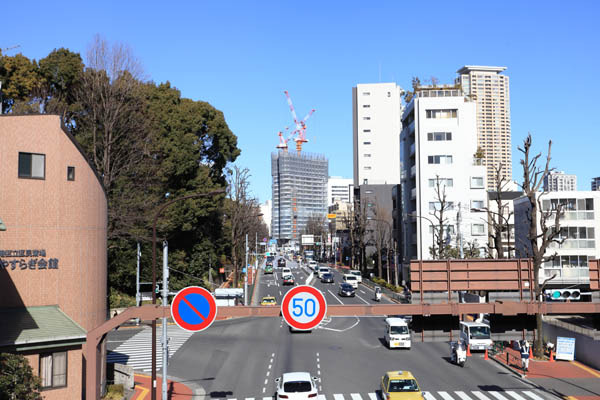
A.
x: 303, y: 307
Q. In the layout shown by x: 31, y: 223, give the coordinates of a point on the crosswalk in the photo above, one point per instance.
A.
x: 440, y: 395
x: 137, y: 350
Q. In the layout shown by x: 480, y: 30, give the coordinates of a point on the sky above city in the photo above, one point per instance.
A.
x: 241, y: 55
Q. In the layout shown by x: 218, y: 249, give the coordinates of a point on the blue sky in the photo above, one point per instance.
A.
x: 241, y: 55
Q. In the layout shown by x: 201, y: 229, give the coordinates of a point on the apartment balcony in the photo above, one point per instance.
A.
x: 567, y: 275
x: 413, y: 193
x: 412, y: 149
x: 413, y: 171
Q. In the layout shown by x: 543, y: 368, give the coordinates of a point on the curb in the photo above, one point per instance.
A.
x: 515, y: 372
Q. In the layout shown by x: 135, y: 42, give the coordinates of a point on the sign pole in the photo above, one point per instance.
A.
x: 246, y: 275
x: 165, y: 299
x: 138, y: 299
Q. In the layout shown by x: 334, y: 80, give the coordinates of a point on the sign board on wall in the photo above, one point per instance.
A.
x: 308, y: 239
x: 565, y: 348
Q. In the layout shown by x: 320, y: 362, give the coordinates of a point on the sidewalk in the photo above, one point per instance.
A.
x: 565, y: 378
x: 175, y: 390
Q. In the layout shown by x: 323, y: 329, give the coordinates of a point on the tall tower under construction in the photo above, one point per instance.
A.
x: 299, y: 192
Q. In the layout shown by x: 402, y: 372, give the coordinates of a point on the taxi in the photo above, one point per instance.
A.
x: 268, y: 301
x: 400, y: 385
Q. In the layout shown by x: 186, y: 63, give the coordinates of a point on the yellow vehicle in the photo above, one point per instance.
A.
x: 268, y: 301
x: 400, y: 385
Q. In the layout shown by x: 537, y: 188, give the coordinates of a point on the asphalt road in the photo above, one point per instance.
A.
x: 240, y: 358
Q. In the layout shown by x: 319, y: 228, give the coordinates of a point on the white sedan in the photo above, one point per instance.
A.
x: 296, y: 386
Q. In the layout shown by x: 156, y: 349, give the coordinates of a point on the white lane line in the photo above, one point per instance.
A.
x: 341, y: 302
x: 267, y: 398
x: 321, y: 397
x: 428, y: 396
x: 280, y: 293
x: 318, y: 365
x: 249, y: 398
x: 514, y: 395
x: 497, y: 395
x: 445, y: 396
x: 338, y: 396
x: 266, y: 380
x: 373, y: 396
x: 463, y: 395
x: 231, y: 399
x: 480, y: 395
x: 362, y: 291
x: 362, y: 299
x: 355, y: 396
x: 532, y: 395
x: 272, y: 355
x: 269, y: 366
x: 319, y: 372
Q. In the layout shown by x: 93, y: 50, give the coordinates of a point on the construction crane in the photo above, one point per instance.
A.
x: 283, y: 143
x: 300, y: 125
x: 9, y: 48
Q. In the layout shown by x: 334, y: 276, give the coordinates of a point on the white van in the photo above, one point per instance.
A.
x: 313, y: 265
x: 352, y: 280
x: 397, y: 333
x: 476, y: 334
x: 286, y: 271
x: 356, y: 273
x: 323, y: 270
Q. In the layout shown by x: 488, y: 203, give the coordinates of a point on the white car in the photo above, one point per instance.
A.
x: 356, y: 273
x: 352, y: 280
x: 296, y: 386
x: 313, y: 265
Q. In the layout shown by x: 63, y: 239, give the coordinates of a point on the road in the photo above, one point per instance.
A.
x: 240, y: 358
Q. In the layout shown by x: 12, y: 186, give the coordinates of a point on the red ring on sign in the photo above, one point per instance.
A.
x: 307, y: 325
x: 208, y: 320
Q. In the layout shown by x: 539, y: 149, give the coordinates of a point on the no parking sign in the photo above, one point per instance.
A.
x: 303, y: 307
x: 194, y: 309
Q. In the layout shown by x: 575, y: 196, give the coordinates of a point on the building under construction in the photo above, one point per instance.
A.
x: 299, y: 192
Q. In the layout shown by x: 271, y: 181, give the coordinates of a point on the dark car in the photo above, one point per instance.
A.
x: 346, y: 290
x: 288, y: 280
x: 281, y: 263
x: 327, y: 278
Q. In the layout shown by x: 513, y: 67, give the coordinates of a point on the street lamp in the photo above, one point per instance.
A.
x: 432, y: 232
x: 160, y: 210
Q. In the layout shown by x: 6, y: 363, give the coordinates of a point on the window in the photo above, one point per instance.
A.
x: 53, y: 369
x: 32, y: 165
x: 367, y: 118
x: 366, y: 106
x: 366, y: 130
x: 477, y: 229
x: 439, y: 114
x: 70, y: 173
x: 366, y: 93
x: 436, y: 205
x: 367, y: 155
x: 439, y: 159
x: 367, y: 168
x: 477, y: 204
x: 439, y: 136
x: 476, y: 182
x: 367, y: 143
x: 448, y: 182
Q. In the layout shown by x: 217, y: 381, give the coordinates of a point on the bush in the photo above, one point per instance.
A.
x: 17, y: 380
x: 383, y: 282
x: 120, y: 300
x: 114, y: 392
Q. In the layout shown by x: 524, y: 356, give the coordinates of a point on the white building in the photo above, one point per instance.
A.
x: 558, y: 181
x: 265, y: 210
x: 439, y: 140
x: 339, y: 188
x: 579, y: 226
x: 376, y: 112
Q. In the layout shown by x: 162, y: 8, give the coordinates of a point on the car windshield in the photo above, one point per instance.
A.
x: 350, y: 278
x: 299, y: 386
x: 327, y: 276
x: 480, y: 332
x: 398, y: 330
x: 357, y: 273
x: 403, y: 385
x: 346, y: 286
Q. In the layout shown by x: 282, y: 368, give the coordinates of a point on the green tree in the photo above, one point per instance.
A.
x: 20, y: 79
x: 17, y: 380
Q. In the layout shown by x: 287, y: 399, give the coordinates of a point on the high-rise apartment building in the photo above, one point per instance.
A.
x: 490, y: 90
x: 558, y: 181
x: 596, y: 183
x: 376, y: 111
x: 265, y: 209
x: 339, y: 188
x: 438, y: 142
x: 299, y: 192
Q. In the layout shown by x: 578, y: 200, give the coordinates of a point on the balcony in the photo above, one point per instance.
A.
x: 413, y: 193
x: 412, y: 149
x: 413, y: 171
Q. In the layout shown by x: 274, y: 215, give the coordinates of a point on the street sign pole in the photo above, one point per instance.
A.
x: 165, y: 298
x: 138, y: 296
x: 246, y: 275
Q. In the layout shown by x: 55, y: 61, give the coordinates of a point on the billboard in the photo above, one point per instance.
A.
x: 308, y: 239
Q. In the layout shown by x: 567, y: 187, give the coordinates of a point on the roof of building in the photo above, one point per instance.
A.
x: 485, y: 68
x: 28, y: 327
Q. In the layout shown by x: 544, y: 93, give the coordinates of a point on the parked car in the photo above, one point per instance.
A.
x: 296, y: 386
x: 327, y: 278
x: 346, y: 290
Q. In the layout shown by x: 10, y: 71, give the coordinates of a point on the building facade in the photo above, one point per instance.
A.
x: 339, y: 189
x: 438, y: 144
x: 376, y: 112
x: 490, y: 90
x: 596, y: 183
x: 578, y: 228
x: 558, y: 181
x: 266, y: 209
x: 299, y: 193
x: 53, y: 257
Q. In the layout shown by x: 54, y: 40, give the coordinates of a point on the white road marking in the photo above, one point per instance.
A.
x: 515, y: 395
x: 533, y: 395
x: 445, y: 396
x: 318, y: 365
x: 342, y: 330
x: 317, y: 354
x: 318, y: 372
x: 373, y: 396
x: 480, y: 395
x: 249, y: 398
x: 362, y: 291
x: 463, y: 395
x: 341, y: 302
x: 265, y: 398
x: 266, y: 380
x: 497, y: 395
x: 362, y: 299
x: 338, y: 396
x: 321, y: 397
x: 428, y: 396
x: 269, y: 367
x: 272, y: 355
x: 281, y: 294
x: 355, y: 396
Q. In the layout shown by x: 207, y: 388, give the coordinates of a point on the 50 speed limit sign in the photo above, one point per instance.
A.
x: 303, y: 307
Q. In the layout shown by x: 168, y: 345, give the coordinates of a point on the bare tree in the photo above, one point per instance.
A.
x: 316, y: 226
x: 537, y: 243
x: 498, y: 219
x: 356, y: 222
x: 442, y: 206
x: 381, y: 236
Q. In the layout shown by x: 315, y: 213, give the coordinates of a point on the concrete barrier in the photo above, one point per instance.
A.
x: 587, y: 350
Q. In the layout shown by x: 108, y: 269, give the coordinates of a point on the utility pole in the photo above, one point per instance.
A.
x: 138, y: 297
x: 246, y: 275
x: 165, y: 301
x: 459, y: 235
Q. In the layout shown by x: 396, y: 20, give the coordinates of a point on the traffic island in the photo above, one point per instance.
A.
x: 175, y: 390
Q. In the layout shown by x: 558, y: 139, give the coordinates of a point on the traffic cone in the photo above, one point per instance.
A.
x: 468, y: 350
x: 485, y: 356
x: 551, y: 356
x: 530, y: 353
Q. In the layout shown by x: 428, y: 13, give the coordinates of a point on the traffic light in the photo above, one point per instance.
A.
x: 563, y: 294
